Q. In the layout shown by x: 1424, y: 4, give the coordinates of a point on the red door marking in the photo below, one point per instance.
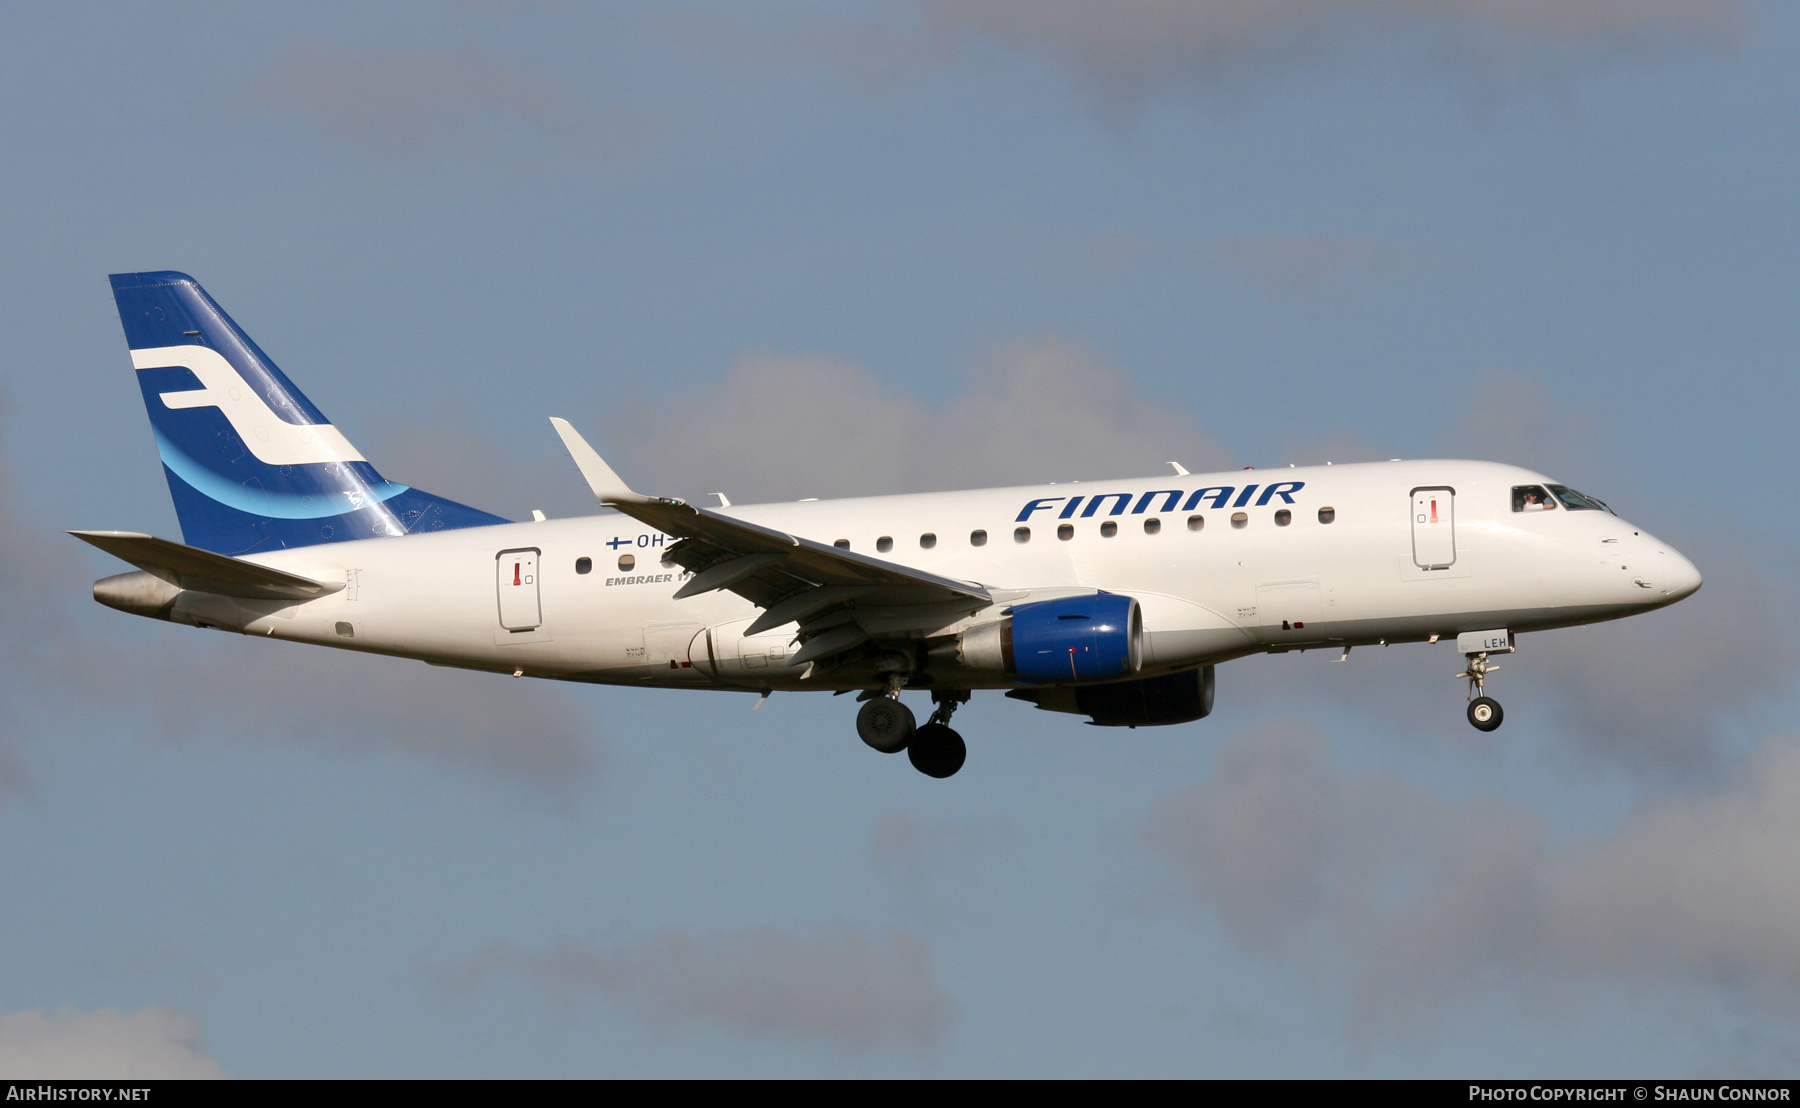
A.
x: 1434, y: 517
x: 516, y: 580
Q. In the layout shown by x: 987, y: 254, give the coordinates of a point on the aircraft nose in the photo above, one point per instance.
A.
x: 1679, y: 577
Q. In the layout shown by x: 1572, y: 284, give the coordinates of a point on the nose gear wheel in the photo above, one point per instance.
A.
x: 1485, y: 713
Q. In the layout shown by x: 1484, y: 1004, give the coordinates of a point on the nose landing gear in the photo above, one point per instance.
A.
x: 1485, y: 712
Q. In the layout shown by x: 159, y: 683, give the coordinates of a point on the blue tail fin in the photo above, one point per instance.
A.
x: 252, y: 465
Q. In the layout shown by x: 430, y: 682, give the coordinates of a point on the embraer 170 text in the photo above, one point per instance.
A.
x: 1112, y: 600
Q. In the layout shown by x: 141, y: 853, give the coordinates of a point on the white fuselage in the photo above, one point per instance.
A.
x: 1210, y: 589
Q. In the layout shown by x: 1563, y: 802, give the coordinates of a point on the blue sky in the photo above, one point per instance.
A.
x: 812, y: 250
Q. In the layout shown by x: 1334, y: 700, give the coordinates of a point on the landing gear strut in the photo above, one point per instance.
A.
x: 936, y: 750
x: 1484, y: 711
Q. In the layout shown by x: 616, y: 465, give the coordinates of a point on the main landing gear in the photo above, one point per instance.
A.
x: 1484, y: 711
x: 888, y: 726
x: 885, y: 724
x: 936, y: 750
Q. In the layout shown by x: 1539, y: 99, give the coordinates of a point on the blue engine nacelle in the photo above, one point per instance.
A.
x: 1069, y: 640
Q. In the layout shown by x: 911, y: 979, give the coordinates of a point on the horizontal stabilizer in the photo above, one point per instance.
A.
x: 189, y: 567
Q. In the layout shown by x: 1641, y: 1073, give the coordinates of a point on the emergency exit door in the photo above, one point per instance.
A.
x: 516, y: 577
x: 1434, y: 528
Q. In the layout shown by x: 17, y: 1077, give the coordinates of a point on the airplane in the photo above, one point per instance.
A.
x: 1113, y: 600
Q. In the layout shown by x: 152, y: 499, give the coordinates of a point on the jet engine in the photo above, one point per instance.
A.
x: 1149, y: 702
x: 1068, y: 640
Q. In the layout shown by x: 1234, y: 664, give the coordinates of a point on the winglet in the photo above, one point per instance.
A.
x: 600, y: 477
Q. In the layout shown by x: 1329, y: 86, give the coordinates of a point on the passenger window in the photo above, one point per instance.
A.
x: 627, y: 563
x: 1326, y: 515
x: 1152, y: 526
x: 584, y: 565
x: 1065, y: 531
x: 1531, y: 498
x: 1195, y: 523
x: 1239, y: 519
x: 927, y: 541
x: 842, y: 544
x: 977, y: 538
x: 1021, y: 534
x: 884, y: 544
x: 1283, y: 518
x: 1108, y: 529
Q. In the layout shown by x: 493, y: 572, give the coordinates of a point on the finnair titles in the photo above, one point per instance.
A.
x: 1113, y: 601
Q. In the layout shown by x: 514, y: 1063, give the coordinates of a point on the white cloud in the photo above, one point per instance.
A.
x: 1129, y: 48
x: 14, y: 779
x: 1652, y: 691
x: 1314, y: 264
x: 36, y: 644
x: 1298, y: 859
x: 783, y: 427
x: 453, y: 102
x: 838, y: 988
x: 156, y: 1043
x: 531, y: 732
x: 926, y: 865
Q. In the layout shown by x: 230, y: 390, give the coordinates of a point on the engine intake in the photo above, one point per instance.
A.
x: 1069, y: 640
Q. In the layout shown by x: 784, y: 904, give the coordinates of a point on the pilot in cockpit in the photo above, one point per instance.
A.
x: 1531, y: 498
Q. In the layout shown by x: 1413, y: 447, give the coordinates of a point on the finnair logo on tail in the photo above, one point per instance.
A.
x: 273, y: 440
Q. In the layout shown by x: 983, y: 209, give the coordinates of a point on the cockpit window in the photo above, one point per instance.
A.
x: 1531, y: 498
x: 1576, y: 502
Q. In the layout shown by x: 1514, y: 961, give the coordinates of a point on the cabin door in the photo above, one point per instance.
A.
x: 516, y: 578
x: 1434, y: 527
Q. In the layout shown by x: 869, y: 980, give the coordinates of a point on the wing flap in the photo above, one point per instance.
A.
x: 803, y: 604
x: 727, y: 573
